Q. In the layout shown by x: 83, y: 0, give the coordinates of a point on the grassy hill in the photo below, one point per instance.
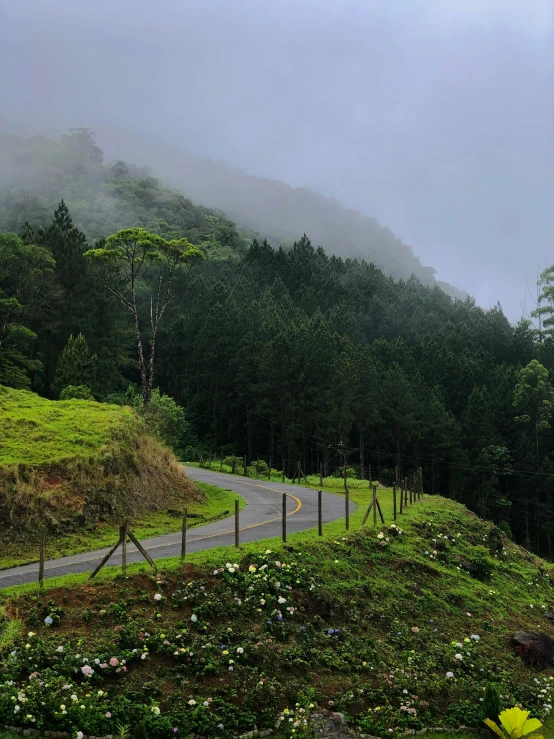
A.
x: 388, y: 627
x: 35, y: 431
x: 76, y: 464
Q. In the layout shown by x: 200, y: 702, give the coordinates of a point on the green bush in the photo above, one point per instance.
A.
x: 77, y: 392
x: 239, y: 469
x: 483, y: 563
x: 506, y: 529
x: 259, y: 468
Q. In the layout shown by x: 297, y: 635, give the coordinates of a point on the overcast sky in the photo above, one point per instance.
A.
x: 434, y: 116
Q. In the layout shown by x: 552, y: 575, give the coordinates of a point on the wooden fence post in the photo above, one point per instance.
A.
x: 401, y: 498
x: 284, y: 517
x: 375, y: 505
x: 394, y: 501
x: 184, y: 536
x: 378, y: 505
x: 41, y: 557
x: 347, y: 509
x: 244, y: 467
x: 411, y: 485
x: 319, y: 514
x: 405, y: 492
x: 237, y: 524
x: 123, y: 535
x: 369, y: 475
x: 321, y: 475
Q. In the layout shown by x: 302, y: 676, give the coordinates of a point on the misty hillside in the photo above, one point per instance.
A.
x: 282, y: 213
x: 35, y: 173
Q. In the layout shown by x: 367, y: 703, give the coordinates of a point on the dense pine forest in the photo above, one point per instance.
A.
x: 281, y: 355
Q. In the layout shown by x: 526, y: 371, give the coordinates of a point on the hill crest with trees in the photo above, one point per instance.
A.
x: 282, y: 354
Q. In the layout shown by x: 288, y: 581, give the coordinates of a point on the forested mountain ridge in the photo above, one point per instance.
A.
x: 284, y: 354
x: 36, y: 173
x: 281, y: 212
x: 40, y: 167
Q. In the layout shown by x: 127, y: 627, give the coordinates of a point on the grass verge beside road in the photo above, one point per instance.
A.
x: 218, y: 504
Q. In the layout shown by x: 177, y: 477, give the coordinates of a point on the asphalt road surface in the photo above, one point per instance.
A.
x: 259, y: 519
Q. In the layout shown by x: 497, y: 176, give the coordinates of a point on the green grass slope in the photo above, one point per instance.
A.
x: 75, y: 465
x: 35, y: 431
x: 387, y: 627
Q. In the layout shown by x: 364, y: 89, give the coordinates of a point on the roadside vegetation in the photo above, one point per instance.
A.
x: 397, y: 627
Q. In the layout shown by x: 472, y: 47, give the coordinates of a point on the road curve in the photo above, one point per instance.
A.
x: 259, y: 519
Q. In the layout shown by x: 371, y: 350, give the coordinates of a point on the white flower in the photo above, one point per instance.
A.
x: 231, y: 570
x: 475, y: 637
x: 194, y: 618
x: 240, y: 650
x: 458, y: 657
x: 380, y: 535
x: 155, y: 710
x: 157, y: 597
x: 281, y: 601
x: 60, y: 649
x: 449, y: 674
x: 192, y: 702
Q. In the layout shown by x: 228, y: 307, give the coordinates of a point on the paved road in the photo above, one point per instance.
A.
x: 259, y: 519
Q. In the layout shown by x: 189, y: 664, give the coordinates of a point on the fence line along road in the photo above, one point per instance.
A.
x: 261, y: 518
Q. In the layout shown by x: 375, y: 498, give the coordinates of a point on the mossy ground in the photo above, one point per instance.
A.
x: 374, y: 631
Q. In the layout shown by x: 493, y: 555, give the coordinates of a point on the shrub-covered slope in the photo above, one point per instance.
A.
x: 69, y: 463
x: 387, y: 626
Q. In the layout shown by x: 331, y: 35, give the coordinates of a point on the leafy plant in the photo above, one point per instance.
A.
x: 491, y: 702
x: 515, y: 723
x: 10, y: 630
x: 483, y: 564
x: 122, y: 730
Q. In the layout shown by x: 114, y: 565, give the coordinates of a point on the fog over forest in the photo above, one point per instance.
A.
x: 435, y: 117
